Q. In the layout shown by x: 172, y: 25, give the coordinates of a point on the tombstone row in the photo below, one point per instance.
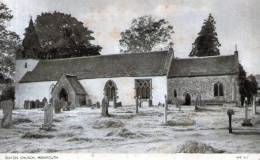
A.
x: 34, y: 104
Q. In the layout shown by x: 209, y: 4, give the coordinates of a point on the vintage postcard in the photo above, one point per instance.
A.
x: 103, y: 77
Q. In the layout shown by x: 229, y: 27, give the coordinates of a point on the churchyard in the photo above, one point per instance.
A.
x: 85, y: 130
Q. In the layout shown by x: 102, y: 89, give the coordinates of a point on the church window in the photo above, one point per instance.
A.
x: 218, y: 89
x: 143, y: 88
x: 110, y: 90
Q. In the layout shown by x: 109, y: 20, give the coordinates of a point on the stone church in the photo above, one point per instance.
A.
x: 150, y: 76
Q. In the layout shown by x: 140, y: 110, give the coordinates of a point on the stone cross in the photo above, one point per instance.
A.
x: 165, y: 109
x: 48, y: 116
x: 105, y: 104
x: 7, y: 106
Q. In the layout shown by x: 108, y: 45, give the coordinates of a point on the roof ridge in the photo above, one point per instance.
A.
x: 106, y: 55
x: 204, y: 57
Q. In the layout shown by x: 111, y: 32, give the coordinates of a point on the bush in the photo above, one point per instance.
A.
x: 8, y: 93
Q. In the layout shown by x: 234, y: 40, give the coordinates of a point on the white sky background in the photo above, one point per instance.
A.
x: 237, y: 21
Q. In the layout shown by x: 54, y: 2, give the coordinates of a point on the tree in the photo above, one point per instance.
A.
x: 206, y: 44
x: 9, y: 42
x: 31, y: 42
x: 247, y: 85
x: 145, y: 33
x: 58, y: 35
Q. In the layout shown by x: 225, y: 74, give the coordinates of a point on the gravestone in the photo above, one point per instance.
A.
x: 26, y: 104
x: 56, y: 105
x: 37, y: 103
x: 246, y: 122
x: 63, y: 104
x: 89, y: 102
x: 48, y: 116
x: 44, y: 100
x: 176, y: 101
x: 197, y: 102
x: 166, y: 101
x: 254, y: 105
x: 7, y: 106
x: 150, y: 103
x: 140, y: 102
x: 105, y: 104
x: 136, y: 104
x: 165, y: 109
x: 114, y: 101
x: 98, y: 105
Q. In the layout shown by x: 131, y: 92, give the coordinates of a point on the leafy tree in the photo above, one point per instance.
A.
x: 144, y: 34
x: 247, y: 85
x: 9, y: 42
x: 31, y: 42
x: 206, y: 44
x: 58, y: 35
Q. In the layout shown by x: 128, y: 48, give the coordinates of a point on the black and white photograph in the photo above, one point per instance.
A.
x: 130, y: 76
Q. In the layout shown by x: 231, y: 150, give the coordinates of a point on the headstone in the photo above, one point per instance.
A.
x: 136, y: 104
x: 37, y: 103
x: 63, y: 104
x: 56, y: 104
x: 166, y: 101
x: 140, y: 102
x: 89, y: 102
x: 119, y: 104
x: 98, y: 105
x: 165, y: 109
x: 176, y: 101
x: 26, y: 104
x: 246, y: 122
x: 7, y: 106
x: 44, y: 100
x: 197, y: 102
x: 105, y: 104
x: 150, y: 102
x: 48, y: 116
x: 254, y: 105
x: 114, y: 101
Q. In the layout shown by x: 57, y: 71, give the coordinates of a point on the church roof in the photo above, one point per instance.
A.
x: 204, y: 66
x: 105, y: 66
x: 78, y: 88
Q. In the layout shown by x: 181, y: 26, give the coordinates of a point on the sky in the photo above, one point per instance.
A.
x: 237, y: 21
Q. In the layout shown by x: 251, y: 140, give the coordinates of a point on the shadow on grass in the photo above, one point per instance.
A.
x: 243, y: 132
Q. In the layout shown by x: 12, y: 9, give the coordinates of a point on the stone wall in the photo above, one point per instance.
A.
x: 204, y: 86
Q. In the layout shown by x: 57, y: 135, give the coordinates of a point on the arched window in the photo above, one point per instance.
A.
x: 218, y: 89
x: 110, y: 90
x: 143, y: 88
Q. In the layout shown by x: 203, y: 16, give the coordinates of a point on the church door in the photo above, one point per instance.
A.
x: 187, y: 99
x: 63, y: 94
